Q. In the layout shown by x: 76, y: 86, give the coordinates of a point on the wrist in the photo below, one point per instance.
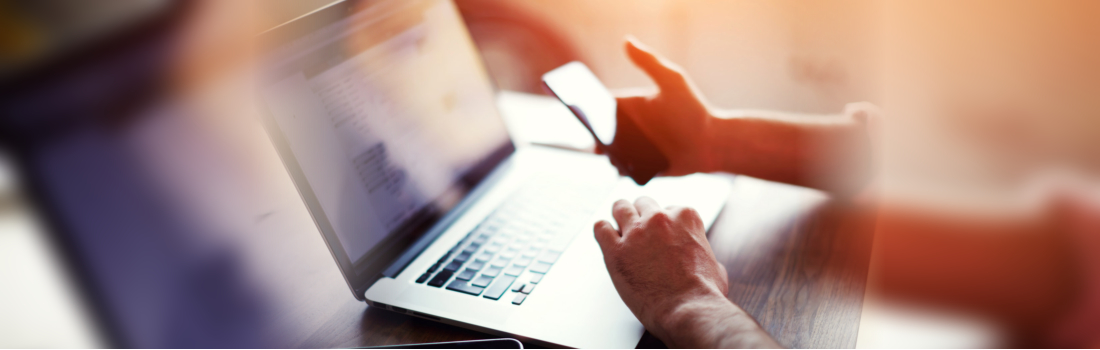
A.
x: 716, y: 147
x: 711, y: 152
x: 712, y: 322
x: 681, y: 315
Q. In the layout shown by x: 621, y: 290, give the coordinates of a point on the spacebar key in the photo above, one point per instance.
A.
x: 499, y: 287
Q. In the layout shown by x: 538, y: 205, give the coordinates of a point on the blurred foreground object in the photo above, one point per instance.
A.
x: 89, y: 130
x: 33, y: 33
x: 41, y: 306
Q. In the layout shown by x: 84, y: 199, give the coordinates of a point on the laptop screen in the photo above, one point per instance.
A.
x: 388, y: 113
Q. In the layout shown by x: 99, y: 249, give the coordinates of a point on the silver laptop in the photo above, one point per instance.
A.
x: 385, y: 117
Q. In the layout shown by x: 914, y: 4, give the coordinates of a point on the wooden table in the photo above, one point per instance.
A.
x: 797, y: 262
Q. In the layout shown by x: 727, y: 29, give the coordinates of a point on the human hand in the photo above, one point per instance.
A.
x: 675, y: 118
x: 660, y: 260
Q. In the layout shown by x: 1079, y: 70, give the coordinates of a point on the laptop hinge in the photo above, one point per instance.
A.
x: 414, y: 250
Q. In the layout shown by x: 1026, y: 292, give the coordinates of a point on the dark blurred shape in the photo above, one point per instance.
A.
x: 518, y: 46
x: 35, y: 32
x: 151, y: 275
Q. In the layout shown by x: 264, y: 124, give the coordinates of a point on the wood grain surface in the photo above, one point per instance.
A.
x: 797, y: 263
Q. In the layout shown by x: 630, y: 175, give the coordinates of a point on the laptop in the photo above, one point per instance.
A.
x: 385, y: 117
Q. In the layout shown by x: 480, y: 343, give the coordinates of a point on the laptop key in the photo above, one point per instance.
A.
x: 491, y: 271
x: 561, y: 241
x: 500, y: 262
x: 461, y: 258
x: 540, y: 267
x: 527, y: 289
x: 466, y: 275
x: 423, y: 278
x: 476, y: 265
x: 536, y: 277
x: 550, y: 256
x: 440, y: 279
x: 493, y: 248
x: 530, y: 253
x: 519, y: 299
x: 482, y: 281
x: 462, y: 286
x: 499, y: 287
x: 484, y: 257
x: 433, y: 268
x: 452, y: 267
x: 522, y: 262
x: 518, y: 287
x: 513, y: 270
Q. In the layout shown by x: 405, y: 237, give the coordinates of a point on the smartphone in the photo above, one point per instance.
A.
x: 616, y: 135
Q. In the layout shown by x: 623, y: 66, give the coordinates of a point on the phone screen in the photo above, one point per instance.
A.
x: 580, y: 90
x: 622, y: 140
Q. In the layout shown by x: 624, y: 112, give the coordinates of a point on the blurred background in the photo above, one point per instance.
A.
x: 986, y: 95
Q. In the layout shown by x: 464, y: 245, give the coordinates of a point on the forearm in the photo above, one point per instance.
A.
x: 712, y: 323
x: 830, y: 153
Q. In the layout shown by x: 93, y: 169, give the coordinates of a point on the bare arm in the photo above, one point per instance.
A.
x: 827, y: 152
x: 1025, y: 271
x: 714, y: 323
x: 660, y: 260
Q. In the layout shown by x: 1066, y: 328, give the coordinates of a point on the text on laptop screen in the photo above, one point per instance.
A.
x: 386, y: 111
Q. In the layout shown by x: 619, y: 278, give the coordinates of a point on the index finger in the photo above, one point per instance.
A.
x: 625, y: 214
x: 665, y: 74
x: 646, y: 206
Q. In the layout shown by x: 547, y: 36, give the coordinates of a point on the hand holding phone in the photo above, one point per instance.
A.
x: 616, y: 134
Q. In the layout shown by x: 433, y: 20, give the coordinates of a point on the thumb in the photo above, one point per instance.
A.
x: 668, y: 76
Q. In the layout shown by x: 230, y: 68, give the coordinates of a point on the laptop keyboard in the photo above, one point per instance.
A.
x: 515, y: 246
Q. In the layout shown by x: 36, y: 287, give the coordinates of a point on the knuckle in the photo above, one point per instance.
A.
x: 690, y: 214
x: 660, y: 218
x: 635, y: 228
x: 687, y: 214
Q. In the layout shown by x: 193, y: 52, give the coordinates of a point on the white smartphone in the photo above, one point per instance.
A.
x: 617, y: 135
